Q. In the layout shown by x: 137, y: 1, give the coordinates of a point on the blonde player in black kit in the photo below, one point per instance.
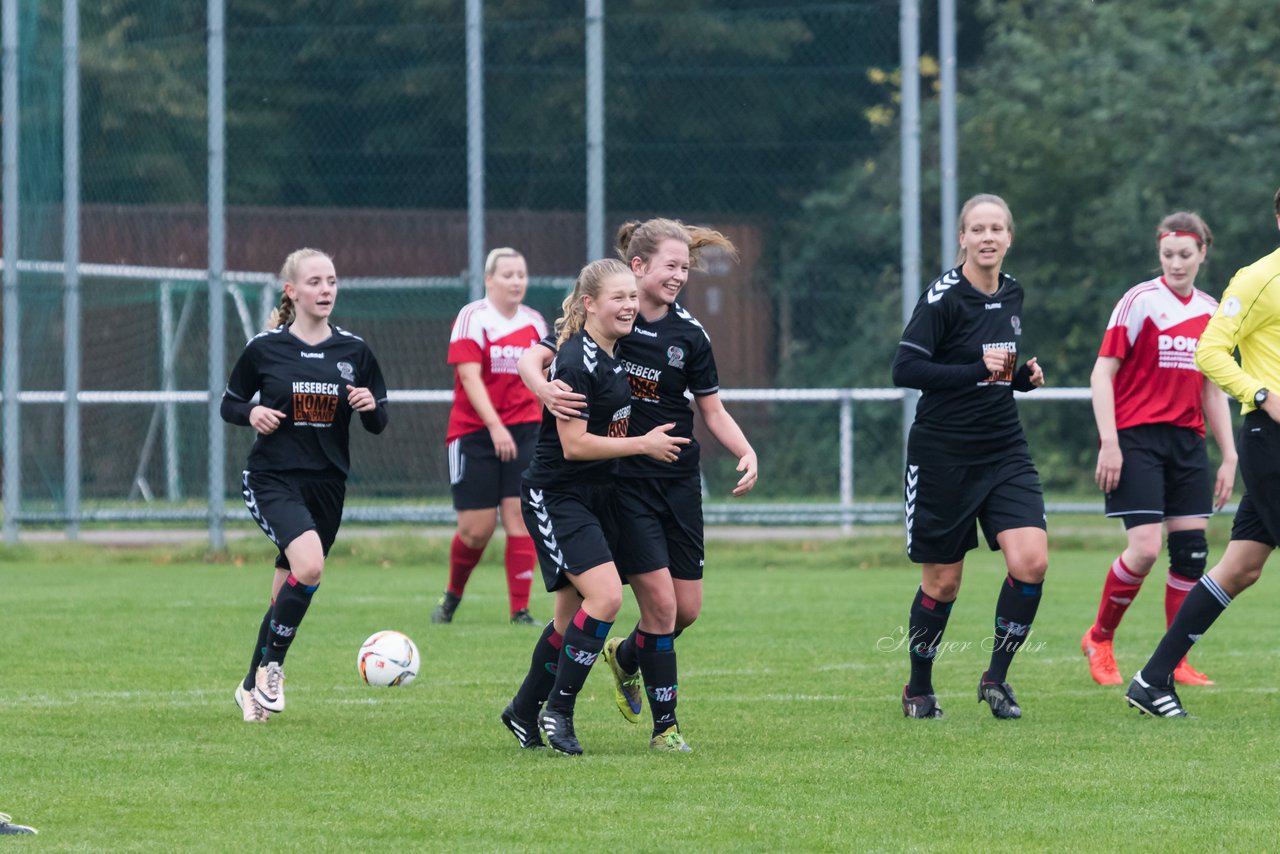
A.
x: 567, y: 500
x: 309, y: 377
x: 660, y: 532
x: 967, y: 457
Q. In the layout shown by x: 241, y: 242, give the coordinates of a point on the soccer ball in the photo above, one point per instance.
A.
x: 388, y: 659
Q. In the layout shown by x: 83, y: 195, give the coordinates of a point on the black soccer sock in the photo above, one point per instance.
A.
x: 260, y: 648
x: 1015, y: 609
x: 928, y: 622
x: 291, y: 606
x: 541, y: 676
x: 628, y: 654
x: 1202, y: 606
x: 583, y: 640
x: 657, y: 654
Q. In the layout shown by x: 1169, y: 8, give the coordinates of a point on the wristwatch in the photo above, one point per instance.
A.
x: 1260, y: 397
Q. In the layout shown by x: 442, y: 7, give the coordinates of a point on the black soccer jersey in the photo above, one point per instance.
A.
x: 970, y: 418
x: 663, y: 359
x: 309, y: 384
x: 591, y: 372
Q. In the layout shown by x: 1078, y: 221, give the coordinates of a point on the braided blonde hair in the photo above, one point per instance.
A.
x: 283, y: 314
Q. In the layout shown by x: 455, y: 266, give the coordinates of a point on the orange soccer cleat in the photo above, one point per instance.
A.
x: 1185, y: 674
x: 1102, y: 660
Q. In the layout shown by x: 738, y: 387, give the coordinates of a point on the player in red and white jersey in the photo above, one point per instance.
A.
x: 1151, y: 403
x: 493, y: 427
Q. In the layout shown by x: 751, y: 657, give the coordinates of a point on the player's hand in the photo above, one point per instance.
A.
x: 503, y: 445
x: 996, y: 359
x: 661, y: 446
x: 1110, y: 460
x: 748, y: 466
x: 561, y: 400
x: 361, y: 399
x: 1037, y: 372
x: 1224, y: 484
x: 265, y: 420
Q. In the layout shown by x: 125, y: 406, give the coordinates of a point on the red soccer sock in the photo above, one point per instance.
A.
x: 1118, y: 593
x: 462, y: 559
x: 1176, y: 590
x: 520, y: 561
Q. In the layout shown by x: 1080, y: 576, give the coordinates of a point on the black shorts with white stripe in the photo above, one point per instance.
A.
x: 1165, y: 476
x: 477, y: 478
x: 286, y: 504
x: 568, y: 526
x: 943, y: 503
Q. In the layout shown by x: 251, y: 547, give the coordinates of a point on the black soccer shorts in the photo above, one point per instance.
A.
x: 1258, y: 516
x: 660, y: 525
x: 287, y: 504
x: 477, y: 478
x: 1165, y: 476
x: 568, y: 528
x: 943, y: 502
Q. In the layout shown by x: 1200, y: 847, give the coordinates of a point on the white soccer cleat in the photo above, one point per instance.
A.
x: 268, y: 687
x: 253, y: 713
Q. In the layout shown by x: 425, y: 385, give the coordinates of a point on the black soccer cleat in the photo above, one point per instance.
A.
x: 8, y: 828
x: 443, y: 612
x: 523, y: 618
x: 923, y: 706
x: 999, y: 696
x: 525, y: 732
x: 558, y: 728
x: 1159, y: 701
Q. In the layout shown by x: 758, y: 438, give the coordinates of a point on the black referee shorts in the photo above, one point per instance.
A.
x: 1258, y: 516
x: 477, y: 478
x: 290, y: 503
x: 660, y: 525
x: 943, y: 502
x: 1165, y: 476
x: 568, y: 527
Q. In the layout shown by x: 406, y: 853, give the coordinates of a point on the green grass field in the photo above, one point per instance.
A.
x: 118, y: 731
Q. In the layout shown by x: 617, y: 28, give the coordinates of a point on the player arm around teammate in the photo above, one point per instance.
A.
x: 1248, y: 320
x: 566, y: 497
x: 1151, y: 403
x: 967, y: 457
x: 493, y: 426
x: 309, y: 376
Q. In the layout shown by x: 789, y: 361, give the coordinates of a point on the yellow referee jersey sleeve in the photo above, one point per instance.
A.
x: 1248, y: 318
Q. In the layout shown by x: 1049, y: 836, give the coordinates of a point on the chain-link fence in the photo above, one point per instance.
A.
x: 346, y: 129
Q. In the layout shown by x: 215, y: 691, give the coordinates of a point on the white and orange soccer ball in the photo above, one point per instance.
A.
x: 388, y: 659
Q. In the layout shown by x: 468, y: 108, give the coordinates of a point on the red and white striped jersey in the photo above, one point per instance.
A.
x: 1154, y: 332
x: 483, y: 334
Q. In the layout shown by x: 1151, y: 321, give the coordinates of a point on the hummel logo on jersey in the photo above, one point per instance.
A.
x: 304, y: 354
x: 645, y: 332
x: 580, y: 656
x: 991, y: 306
x: 944, y: 284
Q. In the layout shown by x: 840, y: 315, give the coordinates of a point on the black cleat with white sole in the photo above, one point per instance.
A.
x: 1159, y: 701
x: 920, y: 706
x: 526, y: 732
x: 558, y: 728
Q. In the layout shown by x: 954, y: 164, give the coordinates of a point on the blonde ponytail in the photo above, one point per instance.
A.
x: 573, y: 313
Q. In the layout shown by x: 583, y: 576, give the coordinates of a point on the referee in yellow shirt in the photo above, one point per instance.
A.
x: 1248, y: 318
